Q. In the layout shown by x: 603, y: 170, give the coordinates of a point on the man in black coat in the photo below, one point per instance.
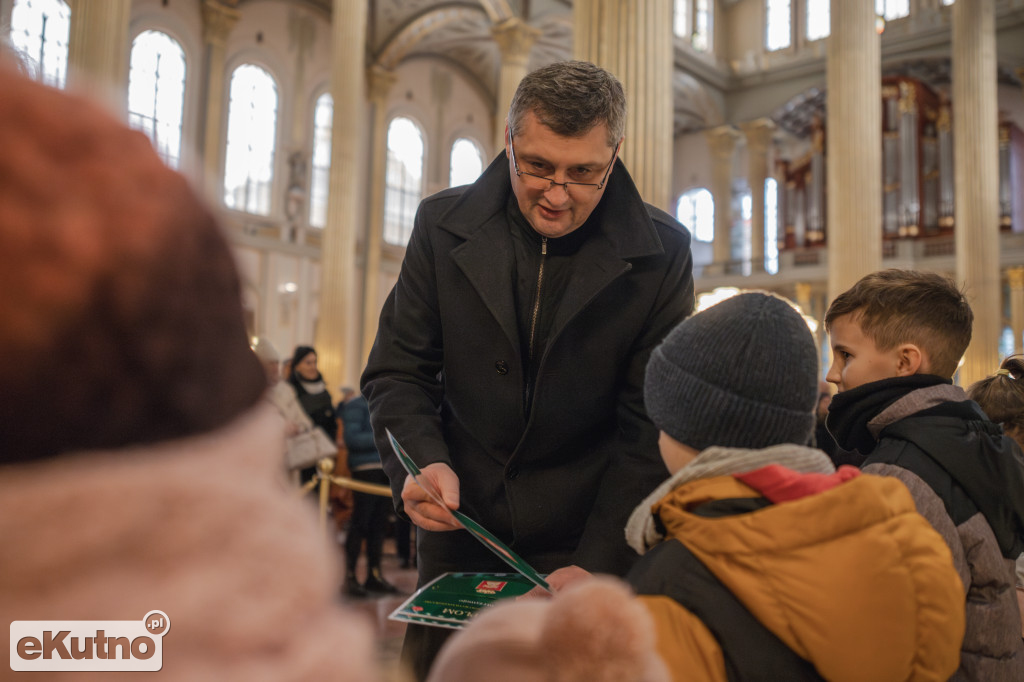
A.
x: 509, y: 361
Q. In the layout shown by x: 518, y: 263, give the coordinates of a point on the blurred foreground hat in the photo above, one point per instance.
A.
x: 121, y: 307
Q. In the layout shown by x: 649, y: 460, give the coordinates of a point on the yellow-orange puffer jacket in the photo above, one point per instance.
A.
x: 851, y: 579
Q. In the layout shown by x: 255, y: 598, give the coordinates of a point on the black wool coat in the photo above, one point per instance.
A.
x: 446, y: 376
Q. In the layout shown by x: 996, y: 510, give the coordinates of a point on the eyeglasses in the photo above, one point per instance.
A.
x: 540, y: 182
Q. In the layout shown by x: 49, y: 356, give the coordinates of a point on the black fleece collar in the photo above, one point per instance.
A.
x: 850, y: 411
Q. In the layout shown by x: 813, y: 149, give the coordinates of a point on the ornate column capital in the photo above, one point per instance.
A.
x: 379, y: 81
x: 219, y: 17
x: 515, y: 38
x: 722, y: 141
x: 759, y: 133
x: 1015, y: 276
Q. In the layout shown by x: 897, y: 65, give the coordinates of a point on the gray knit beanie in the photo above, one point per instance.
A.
x: 743, y: 373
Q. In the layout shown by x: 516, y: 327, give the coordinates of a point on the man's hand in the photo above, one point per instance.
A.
x: 421, y: 507
x: 559, y: 580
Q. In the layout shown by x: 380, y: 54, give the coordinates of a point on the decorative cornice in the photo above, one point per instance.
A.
x: 515, y: 38
x: 218, y: 19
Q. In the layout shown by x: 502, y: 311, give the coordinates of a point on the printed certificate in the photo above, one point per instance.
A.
x: 452, y: 599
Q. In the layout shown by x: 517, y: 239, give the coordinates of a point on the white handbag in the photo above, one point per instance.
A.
x: 307, y: 448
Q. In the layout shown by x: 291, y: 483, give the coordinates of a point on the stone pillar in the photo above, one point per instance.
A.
x: 1015, y: 276
x: 633, y: 40
x: 218, y: 20
x: 853, y: 146
x: 976, y: 158
x: 380, y: 83
x: 337, y: 334
x: 722, y: 142
x: 98, y: 50
x: 759, y: 138
x: 515, y: 38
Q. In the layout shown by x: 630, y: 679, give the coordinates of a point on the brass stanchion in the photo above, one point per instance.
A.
x: 324, y: 477
x: 324, y: 469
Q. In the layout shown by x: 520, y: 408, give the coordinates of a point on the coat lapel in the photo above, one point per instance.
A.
x: 485, y: 257
x: 486, y: 260
x: 596, y: 266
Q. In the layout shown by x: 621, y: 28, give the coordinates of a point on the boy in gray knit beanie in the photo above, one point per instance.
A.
x: 759, y: 558
x: 744, y: 373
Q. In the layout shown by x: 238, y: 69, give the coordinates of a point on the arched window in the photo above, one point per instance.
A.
x: 252, y: 131
x: 156, y: 92
x: 692, y: 22
x: 39, y: 31
x: 467, y: 162
x: 323, y: 116
x: 892, y: 9
x: 778, y: 25
x: 696, y: 210
x: 403, y: 180
x: 771, y: 225
x: 818, y: 19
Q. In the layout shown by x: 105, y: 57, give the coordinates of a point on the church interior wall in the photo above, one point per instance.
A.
x: 737, y: 81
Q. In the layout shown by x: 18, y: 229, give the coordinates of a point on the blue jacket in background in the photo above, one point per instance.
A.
x: 362, y: 453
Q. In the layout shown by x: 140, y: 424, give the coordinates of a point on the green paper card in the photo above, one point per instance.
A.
x: 452, y: 599
x: 475, y: 529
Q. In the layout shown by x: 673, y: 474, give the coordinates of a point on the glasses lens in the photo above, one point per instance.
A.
x: 535, y: 181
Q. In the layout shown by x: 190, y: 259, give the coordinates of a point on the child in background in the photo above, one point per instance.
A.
x: 1001, y: 396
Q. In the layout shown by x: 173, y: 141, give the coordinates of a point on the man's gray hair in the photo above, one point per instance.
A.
x: 571, y: 98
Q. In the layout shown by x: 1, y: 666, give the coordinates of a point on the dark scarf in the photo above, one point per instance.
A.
x: 850, y: 411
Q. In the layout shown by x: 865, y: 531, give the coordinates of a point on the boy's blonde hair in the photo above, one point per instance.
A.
x: 907, y: 306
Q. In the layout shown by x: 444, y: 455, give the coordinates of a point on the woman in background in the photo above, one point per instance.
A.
x: 312, y: 393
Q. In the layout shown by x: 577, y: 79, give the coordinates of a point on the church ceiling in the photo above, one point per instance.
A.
x: 459, y: 32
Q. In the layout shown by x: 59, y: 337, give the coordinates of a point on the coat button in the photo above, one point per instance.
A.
x: 513, y: 474
x: 501, y: 366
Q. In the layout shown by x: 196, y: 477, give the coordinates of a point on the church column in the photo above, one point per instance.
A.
x: 722, y: 142
x: 337, y: 333
x: 853, y: 145
x: 759, y: 136
x: 633, y: 40
x: 218, y: 20
x: 98, y: 50
x: 975, y: 154
x: 380, y: 83
x: 515, y: 38
x: 1015, y: 276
